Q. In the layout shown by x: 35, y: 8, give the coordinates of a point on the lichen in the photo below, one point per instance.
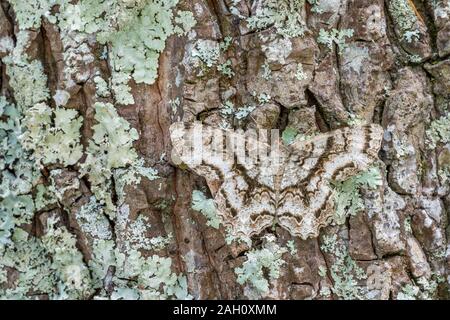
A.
x: 67, y: 261
x: 111, y: 148
x: 291, y: 247
x: 286, y: 16
x: 53, y: 135
x: 439, y: 132
x: 29, y: 13
x: 267, y: 260
x: 136, y: 33
x: 93, y: 221
x: 208, y: 51
x: 33, y: 132
x: 266, y: 71
x: 344, y: 271
x: 405, y: 19
x: 289, y: 134
x: 335, y: 36
x: 225, y: 69
x: 206, y: 207
x: 348, y: 200
x: 243, y: 112
x: 421, y: 289
x: 28, y: 81
x: 300, y: 73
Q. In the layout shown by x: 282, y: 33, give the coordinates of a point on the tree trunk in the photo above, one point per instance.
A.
x: 93, y: 205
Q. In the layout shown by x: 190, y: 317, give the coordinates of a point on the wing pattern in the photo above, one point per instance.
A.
x: 289, y: 186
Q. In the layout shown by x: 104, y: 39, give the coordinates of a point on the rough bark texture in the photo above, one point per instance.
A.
x: 399, y: 239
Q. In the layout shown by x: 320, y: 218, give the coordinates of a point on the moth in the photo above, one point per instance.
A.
x: 258, y: 183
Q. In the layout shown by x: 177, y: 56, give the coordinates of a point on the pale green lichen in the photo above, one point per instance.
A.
x: 93, y: 221
x: 153, y: 278
x: 300, y: 73
x: 136, y: 46
x: 136, y: 33
x: 101, y: 87
x: 334, y: 36
x: 226, y: 43
x: 208, y: 51
x: 111, y: 148
x: 29, y: 258
x: 322, y: 271
x: 44, y: 197
x: 225, y: 69
x: 262, y: 98
x: 132, y: 176
x: 243, y: 112
x: 29, y: 13
x: 286, y: 16
x: 28, y: 81
x: 355, y: 120
x: 53, y: 134
x: 316, y: 6
x: 206, y: 207
x: 67, y: 260
x: 405, y: 19
x: 291, y: 247
x: 289, y: 134
x: 439, y: 132
x: 348, y: 200
x: 344, y: 271
x: 267, y: 260
x: 266, y: 71
x: 228, y: 109
x: 53, y: 266
x: 421, y: 289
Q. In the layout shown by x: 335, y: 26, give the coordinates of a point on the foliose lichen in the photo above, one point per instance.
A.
x: 267, y: 260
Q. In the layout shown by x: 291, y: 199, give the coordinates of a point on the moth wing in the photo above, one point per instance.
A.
x: 243, y: 189
x: 306, y: 198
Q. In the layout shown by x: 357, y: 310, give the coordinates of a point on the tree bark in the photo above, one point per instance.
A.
x: 398, y: 240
